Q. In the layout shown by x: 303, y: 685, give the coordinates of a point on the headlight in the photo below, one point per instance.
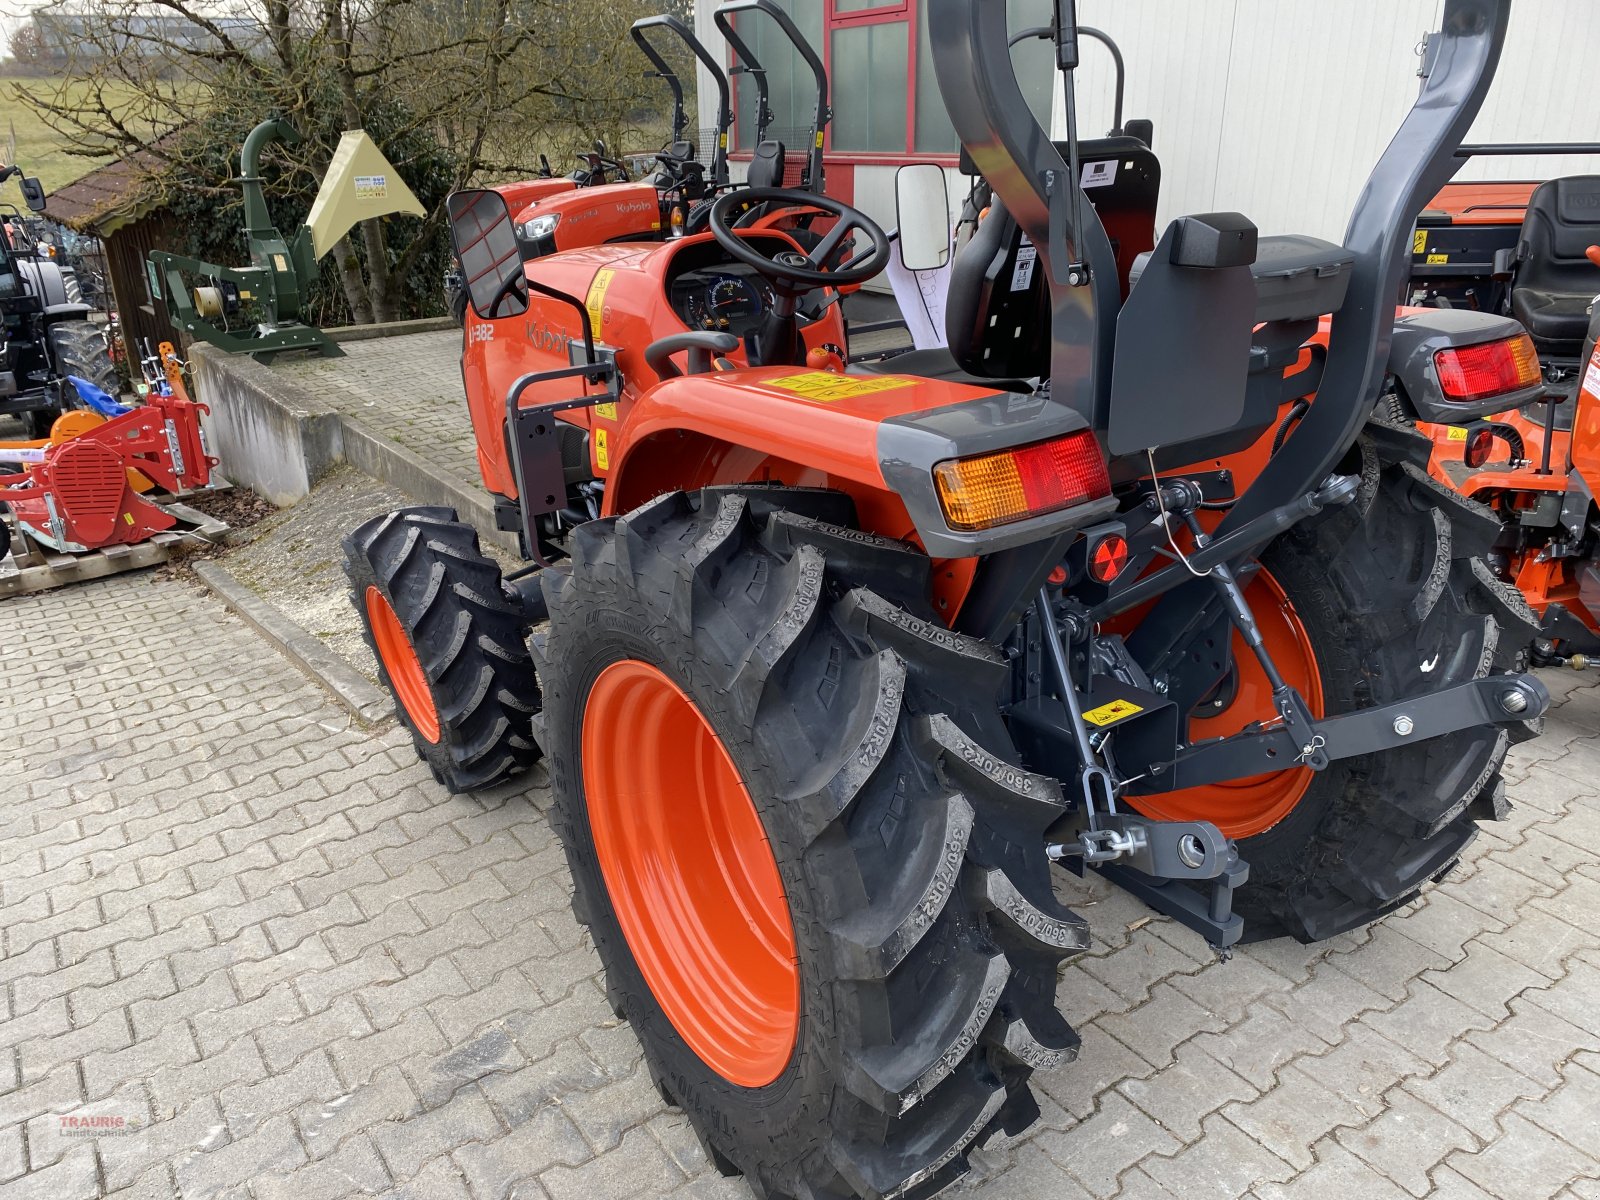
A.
x: 540, y: 227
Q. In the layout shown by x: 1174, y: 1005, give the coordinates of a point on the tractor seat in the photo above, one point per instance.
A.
x: 1555, y: 281
x: 766, y: 165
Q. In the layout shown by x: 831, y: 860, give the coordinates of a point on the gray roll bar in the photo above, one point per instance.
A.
x: 1458, y: 66
x: 718, y: 160
x: 823, y: 114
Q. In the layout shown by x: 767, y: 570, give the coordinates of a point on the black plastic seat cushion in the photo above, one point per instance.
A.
x: 1555, y: 281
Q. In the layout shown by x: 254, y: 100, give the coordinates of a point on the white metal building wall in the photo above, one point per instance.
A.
x: 1279, y: 108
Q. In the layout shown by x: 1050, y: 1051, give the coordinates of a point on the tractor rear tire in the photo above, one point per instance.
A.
x: 1396, y: 602
x: 450, y: 642
x: 915, y: 918
x: 78, y: 349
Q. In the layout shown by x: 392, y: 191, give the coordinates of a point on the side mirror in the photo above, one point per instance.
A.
x: 486, y: 247
x: 33, y: 193
x: 922, y: 211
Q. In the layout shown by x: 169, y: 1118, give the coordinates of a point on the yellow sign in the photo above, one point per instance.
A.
x: 602, y: 452
x: 1110, y: 714
x: 1435, y: 259
x: 608, y: 410
x: 595, y: 302
x: 1419, y: 241
x: 825, y: 387
x: 819, y: 139
x: 1457, y: 433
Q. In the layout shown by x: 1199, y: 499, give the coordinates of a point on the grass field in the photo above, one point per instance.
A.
x: 39, y: 148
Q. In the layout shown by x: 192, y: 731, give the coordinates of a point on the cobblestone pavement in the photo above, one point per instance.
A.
x: 405, y: 388
x: 271, y: 943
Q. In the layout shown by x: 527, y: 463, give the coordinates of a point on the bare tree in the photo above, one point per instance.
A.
x: 493, y: 82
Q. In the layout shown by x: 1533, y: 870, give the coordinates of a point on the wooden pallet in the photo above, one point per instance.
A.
x: 30, y: 567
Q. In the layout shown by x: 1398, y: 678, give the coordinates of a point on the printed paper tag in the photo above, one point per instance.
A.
x: 1098, y: 174
x: 1022, y: 273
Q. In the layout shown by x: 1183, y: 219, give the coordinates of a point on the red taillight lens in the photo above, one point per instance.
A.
x: 1480, y: 445
x: 996, y: 489
x: 1478, y: 372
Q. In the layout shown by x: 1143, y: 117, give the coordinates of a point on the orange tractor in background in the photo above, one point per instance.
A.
x: 1530, y: 454
x: 834, y: 667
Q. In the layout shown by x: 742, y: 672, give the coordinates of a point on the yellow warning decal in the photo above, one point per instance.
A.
x: 595, y: 302
x: 819, y: 139
x: 1110, y: 714
x: 825, y: 387
x: 1435, y: 259
x: 1419, y: 241
x: 1457, y: 433
x: 602, y: 452
x: 608, y: 410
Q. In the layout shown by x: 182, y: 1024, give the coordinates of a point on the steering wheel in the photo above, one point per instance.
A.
x: 794, y: 270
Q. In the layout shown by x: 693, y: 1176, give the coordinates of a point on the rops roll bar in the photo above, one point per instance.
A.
x: 823, y: 114
x: 718, y: 160
x: 1048, y: 33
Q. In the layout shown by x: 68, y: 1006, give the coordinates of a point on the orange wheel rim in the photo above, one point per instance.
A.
x: 690, y: 874
x: 1241, y: 808
x: 401, y: 664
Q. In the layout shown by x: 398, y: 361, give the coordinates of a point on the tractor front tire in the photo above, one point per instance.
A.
x: 1395, y: 601
x: 450, y: 642
x: 816, y: 881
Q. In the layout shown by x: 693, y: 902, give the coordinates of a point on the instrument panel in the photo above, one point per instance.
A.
x: 725, y: 298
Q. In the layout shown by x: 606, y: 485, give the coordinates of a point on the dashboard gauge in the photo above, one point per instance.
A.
x: 731, y: 299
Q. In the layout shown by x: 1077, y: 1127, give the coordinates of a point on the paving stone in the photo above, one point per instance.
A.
x: 353, y: 1168
x: 1535, y: 1043
x: 1427, y: 1023
x: 1224, y: 1164
x: 276, y: 1007
x: 1474, y: 1089
x: 408, y: 1144
x: 286, y: 1043
x: 383, y: 1100
x: 1328, y: 1003
x: 271, y: 1149
x: 73, y: 1178
x: 1193, y: 1088
x: 1572, y: 1111
x: 518, y: 1095
x: 197, y: 1128
x: 175, y: 1085
x: 634, y: 1168
x: 1523, y: 1161
x: 1156, y: 1028
x: 1407, y: 1141
x: 1102, y: 1063
x: 1097, y: 1151
x: 439, y: 1180
x: 1362, y: 1069
x: 546, y: 1139
x: 1486, y: 980
x: 1261, y: 1045
x: 1292, y: 1116
x: 1337, y: 1173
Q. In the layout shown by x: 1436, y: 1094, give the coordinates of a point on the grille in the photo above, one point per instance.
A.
x: 88, y: 480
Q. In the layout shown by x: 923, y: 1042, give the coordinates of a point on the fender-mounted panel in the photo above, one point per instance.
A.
x: 879, y: 432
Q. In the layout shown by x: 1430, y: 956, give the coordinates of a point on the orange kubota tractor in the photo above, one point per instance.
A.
x: 841, y: 664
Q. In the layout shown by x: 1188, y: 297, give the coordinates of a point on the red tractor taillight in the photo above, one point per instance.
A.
x: 1478, y: 372
x: 996, y: 489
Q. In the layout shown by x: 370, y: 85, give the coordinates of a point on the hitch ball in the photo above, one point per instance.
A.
x: 1513, y: 701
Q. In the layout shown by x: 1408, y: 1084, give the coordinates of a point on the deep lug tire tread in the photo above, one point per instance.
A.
x: 1397, y: 604
x: 911, y: 849
x: 469, y: 634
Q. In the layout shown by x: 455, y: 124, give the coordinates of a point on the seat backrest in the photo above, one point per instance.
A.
x: 1562, y: 221
x: 997, y: 316
x: 766, y: 165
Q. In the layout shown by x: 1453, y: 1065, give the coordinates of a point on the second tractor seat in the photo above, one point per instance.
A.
x: 1555, y: 282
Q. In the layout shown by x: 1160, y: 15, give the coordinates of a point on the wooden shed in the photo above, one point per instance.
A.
x: 117, y: 204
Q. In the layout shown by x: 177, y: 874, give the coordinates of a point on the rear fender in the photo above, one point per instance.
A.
x: 876, y: 437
